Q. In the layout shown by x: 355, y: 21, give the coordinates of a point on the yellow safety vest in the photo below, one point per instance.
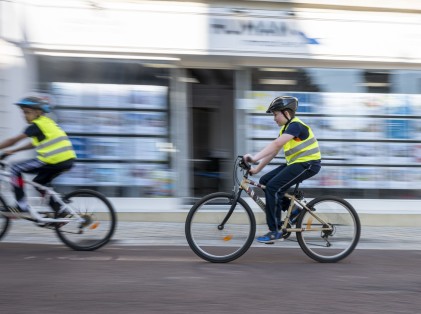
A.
x: 56, y: 147
x: 301, y: 151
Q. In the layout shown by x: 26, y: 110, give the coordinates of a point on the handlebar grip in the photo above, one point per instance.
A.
x: 248, y: 160
x: 244, y: 164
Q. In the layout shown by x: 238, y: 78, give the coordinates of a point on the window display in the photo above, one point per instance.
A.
x: 368, y: 141
x: 118, y: 132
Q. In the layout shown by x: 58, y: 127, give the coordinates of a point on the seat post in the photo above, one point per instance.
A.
x: 296, y: 187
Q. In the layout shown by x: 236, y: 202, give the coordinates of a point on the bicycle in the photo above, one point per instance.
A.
x: 89, y: 218
x: 220, y: 227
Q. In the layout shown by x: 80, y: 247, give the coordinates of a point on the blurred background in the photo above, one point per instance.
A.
x: 159, y: 97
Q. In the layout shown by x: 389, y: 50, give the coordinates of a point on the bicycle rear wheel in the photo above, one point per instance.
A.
x: 329, y: 246
x: 98, y: 227
x: 209, y: 239
x: 4, y: 220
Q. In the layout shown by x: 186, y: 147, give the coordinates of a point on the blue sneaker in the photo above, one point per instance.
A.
x: 270, y: 237
x: 292, y: 219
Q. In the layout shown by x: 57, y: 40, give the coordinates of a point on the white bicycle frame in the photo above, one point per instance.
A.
x: 50, y: 193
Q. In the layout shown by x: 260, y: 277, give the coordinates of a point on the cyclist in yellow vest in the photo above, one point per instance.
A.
x: 303, y: 160
x: 54, y: 150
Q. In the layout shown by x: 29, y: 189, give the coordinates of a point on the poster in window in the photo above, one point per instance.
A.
x: 148, y: 97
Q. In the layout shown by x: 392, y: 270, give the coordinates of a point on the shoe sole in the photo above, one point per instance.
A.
x: 271, y: 241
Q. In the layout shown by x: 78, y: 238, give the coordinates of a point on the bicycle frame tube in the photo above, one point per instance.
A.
x: 245, y: 185
x: 51, y: 193
x: 303, y: 206
x: 4, y: 174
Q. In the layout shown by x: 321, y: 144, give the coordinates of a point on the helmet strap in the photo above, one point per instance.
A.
x: 286, y: 117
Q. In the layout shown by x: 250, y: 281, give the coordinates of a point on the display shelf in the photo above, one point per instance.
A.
x: 368, y: 141
x: 118, y: 132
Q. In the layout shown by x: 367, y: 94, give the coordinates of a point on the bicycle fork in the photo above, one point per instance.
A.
x: 231, y: 210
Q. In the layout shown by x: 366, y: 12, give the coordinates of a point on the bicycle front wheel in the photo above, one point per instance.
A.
x: 332, y: 233
x: 99, y: 221
x: 215, y: 242
x: 4, y: 220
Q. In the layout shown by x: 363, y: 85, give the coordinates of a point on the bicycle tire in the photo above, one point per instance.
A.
x: 100, y: 221
x: 211, y: 243
x: 329, y: 246
x: 4, y: 220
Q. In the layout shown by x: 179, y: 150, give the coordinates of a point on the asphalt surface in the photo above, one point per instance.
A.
x: 171, y: 279
x: 149, y: 268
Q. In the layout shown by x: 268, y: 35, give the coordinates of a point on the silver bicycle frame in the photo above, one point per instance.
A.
x: 52, y: 194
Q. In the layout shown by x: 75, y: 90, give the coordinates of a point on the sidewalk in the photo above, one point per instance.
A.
x: 170, y: 233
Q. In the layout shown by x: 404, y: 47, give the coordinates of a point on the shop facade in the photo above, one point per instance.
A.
x: 159, y: 97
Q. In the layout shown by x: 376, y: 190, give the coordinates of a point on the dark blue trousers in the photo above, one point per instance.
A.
x: 45, y: 173
x: 278, y: 181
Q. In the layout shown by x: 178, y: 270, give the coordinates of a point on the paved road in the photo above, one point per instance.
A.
x: 171, y: 279
x: 166, y: 233
x: 148, y: 268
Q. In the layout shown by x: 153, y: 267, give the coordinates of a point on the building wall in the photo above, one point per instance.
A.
x: 231, y: 35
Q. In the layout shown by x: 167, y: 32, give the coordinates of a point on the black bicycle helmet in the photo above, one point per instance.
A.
x: 35, y: 103
x: 283, y: 102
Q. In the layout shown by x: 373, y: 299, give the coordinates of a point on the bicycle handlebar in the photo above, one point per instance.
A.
x: 244, y: 164
x: 4, y: 156
x: 3, y: 164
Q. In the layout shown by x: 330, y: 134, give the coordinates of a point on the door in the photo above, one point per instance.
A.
x: 212, y: 131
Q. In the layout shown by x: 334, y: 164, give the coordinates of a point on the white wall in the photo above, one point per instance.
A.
x: 14, y: 84
x: 200, y: 29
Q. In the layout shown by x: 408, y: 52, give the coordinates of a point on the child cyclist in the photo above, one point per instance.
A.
x: 303, y: 160
x: 54, y: 150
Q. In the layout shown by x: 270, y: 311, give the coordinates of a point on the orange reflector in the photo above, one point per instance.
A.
x: 309, y: 222
x: 94, y: 226
x: 228, y: 237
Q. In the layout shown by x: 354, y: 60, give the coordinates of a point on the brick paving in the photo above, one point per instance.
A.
x: 169, y: 233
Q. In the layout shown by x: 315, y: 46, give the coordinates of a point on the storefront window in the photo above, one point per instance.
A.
x: 367, y: 123
x: 116, y: 115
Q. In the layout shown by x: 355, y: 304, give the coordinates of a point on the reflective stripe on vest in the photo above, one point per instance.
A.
x: 58, y: 151
x: 56, y: 147
x: 304, y: 150
x: 51, y: 142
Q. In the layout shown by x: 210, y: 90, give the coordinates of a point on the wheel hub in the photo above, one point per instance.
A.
x: 87, y: 220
